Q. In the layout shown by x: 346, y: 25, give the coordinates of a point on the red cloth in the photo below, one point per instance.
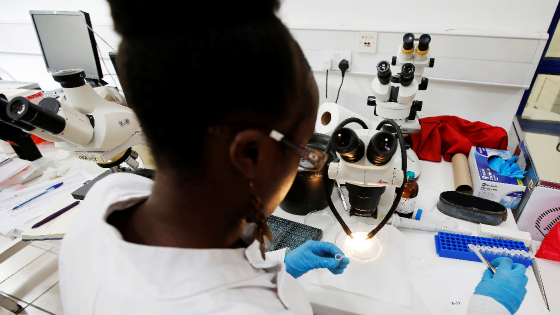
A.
x: 448, y: 135
x: 550, y: 247
x: 37, y: 140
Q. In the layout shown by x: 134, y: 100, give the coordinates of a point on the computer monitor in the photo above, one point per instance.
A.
x: 66, y: 42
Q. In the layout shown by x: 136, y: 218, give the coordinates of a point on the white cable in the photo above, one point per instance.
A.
x: 99, y: 49
x: 101, y: 56
x: 95, y: 32
x: 6, y: 72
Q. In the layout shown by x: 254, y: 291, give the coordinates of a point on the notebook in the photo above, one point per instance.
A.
x: 55, y: 229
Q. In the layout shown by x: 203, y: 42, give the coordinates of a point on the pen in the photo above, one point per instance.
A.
x: 39, y: 195
x: 55, y: 215
x: 6, y: 161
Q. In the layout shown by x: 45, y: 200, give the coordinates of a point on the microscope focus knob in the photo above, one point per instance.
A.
x: 423, y: 85
x: 432, y: 61
x: 371, y: 101
x: 417, y: 105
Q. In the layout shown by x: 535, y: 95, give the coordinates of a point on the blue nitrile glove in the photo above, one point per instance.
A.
x: 507, y: 286
x: 312, y: 255
x: 506, y: 168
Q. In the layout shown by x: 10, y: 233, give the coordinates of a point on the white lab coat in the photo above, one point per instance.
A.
x: 100, y: 273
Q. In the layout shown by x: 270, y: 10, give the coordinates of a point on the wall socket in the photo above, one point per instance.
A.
x: 331, y: 59
x: 367, y: 42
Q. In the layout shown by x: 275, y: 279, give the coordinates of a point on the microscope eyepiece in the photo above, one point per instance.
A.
x: 384, y: 72
x: 346, y: 142
x: 5, y: 118
x: 407, y: 74
x: 424, y: 42
x: 21, y: 109
x: 72, y: 78
x: 381, y: 148
x: 408, y: 41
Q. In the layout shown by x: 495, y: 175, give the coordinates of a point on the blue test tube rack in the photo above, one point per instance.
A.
x: 456, y: 246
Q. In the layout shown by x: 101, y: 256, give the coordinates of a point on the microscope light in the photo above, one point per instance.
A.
x: 361, y: 248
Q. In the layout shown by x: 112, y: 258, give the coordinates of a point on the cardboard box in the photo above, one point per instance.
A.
x: 539, y: 209
x: 488, y: 184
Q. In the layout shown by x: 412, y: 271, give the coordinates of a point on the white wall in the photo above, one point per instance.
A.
x: 20, y: 53
x: 501, y: 44
x: 486, y: 15
x: 489, y: 42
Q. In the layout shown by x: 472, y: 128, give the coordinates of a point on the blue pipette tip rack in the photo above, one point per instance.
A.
x: 456, y: 246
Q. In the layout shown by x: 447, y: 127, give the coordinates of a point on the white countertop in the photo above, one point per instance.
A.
x: 438, y: 176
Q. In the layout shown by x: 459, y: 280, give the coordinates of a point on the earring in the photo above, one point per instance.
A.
x: 257, y: 216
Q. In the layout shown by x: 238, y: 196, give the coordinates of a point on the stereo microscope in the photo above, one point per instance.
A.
x: 394, y: 94
x: 84, y: 123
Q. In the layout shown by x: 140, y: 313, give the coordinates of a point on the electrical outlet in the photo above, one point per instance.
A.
x: 367, y: 42
x: 336, y: 57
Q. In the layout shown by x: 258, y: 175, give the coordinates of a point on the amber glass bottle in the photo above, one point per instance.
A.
x: 406, y: 205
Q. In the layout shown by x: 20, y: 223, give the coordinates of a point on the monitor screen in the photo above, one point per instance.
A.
x: 66, y: 41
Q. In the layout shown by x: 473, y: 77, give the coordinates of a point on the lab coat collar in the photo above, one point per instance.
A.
x: 173, y: 273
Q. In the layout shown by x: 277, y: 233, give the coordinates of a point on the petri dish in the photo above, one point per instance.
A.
x: 320, y: 219
x: 418, y: 266
x: 359, y: 248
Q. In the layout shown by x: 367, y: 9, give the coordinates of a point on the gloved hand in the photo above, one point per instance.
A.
x: 312, y: 255
x: 506, y: 168
x: 507, y: 286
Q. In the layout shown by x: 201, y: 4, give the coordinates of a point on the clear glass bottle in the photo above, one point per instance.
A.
x: 406, y: 206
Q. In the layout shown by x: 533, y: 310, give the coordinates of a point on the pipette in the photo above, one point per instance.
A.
x: 400, y: 222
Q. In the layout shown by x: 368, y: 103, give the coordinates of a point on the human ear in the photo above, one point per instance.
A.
x: 246, y: 152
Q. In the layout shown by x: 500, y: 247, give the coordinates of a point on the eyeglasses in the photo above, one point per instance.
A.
x: 310, y: 158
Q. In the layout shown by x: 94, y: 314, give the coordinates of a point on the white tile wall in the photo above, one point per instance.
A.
x: 18, y: 261
x: 30, y: 278
x: 34, y: 279
x: 50, y: 301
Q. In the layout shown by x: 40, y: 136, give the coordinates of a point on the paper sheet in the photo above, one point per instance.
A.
x: 12, y: 168
x: 442, y: 297
x: 21, y: 176
x: 385, y: 278
x: 11, y: 219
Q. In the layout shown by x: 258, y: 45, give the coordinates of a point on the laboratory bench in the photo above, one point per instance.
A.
x: 438, y: 176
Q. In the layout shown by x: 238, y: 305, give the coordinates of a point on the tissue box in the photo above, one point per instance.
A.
x: 488, y: 184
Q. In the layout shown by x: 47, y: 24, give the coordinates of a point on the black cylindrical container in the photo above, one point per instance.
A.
x: 307, y: 193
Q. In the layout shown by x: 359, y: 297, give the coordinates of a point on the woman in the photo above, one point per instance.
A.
x: 226, y: 100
